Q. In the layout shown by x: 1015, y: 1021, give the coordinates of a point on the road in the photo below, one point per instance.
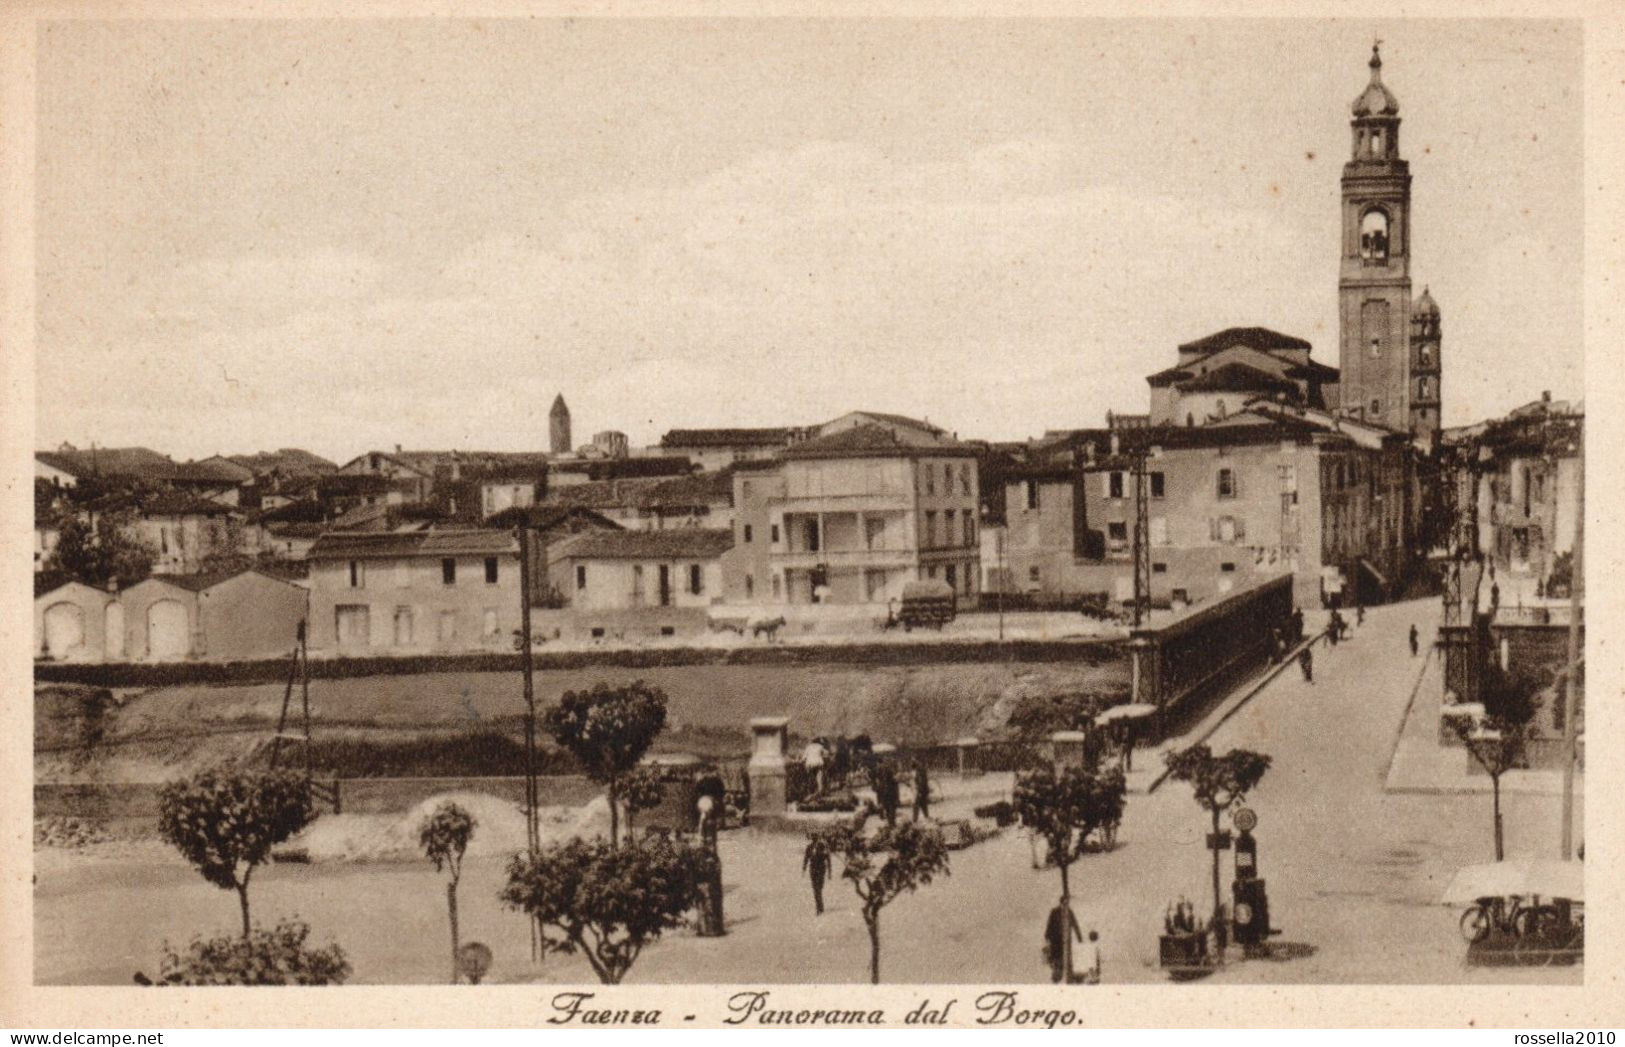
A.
x: 1353, y: 873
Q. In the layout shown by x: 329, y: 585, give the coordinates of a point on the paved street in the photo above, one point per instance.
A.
x: 1353, y: 873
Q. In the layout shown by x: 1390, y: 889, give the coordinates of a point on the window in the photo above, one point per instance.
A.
x: 930, y: 479
x: 1374, y: 228
x: 357, y: 574
x: 1376, y: 408
x: 750, y: 586
x: 1227, y: 483
x: 773, y: 534
x: 598, y: 632
x: 1227, y: 568
x: 747, y: 533
x: 488, y: 623
x: 163, y: 541
x: 490, y: 570
x: 581, y: 576
x: 1032, y: 494
x: 1158, y: 486
x: 964, y: 480
x: 1033, y: 575
x: 930, y: 528
x: 1114, y: 485
x: 1117, y: 532
x: 1159, y: 568
x: 696, y: 579
x: 948, y: 529
x: 812, y: 535
x: 778, y: 587
x: 950, y: 574
x: 970, y: 529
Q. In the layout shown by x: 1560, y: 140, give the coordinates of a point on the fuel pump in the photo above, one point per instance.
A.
x: 1250, y: 908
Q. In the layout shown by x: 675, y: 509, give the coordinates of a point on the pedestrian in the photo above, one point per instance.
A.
x: 1359, y: 614
x: 1334, y: 628
x: 813, y: 758
x: 1415, y: 642
x: 922, y: 792
x: 1061, y: 922
x: 887, y: 792
x: 815, y: 863
x: 1297, y: 625
x: 1306, y: 662
x: 1093, y: 975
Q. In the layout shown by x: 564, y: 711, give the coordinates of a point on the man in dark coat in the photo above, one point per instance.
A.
x: 922, y: 793
x: 1061, y: 921
x: 1416, y: 642
x: 815, y: 863
x: 1306, y: 662
x: 888, y: 792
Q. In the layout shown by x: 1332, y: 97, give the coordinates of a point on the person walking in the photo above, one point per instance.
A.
x: 1061, y: 922
x: 815, y: 863
x: 1306, y: 662
x: 1416, y: 644
x: 922, y: 792
x: 888, y: 792
x: 1092, y: 975
x: 1359, y: 614
x: 813, y: 757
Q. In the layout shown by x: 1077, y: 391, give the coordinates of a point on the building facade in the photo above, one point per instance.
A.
x: 395, y: 593
x: 625, y: 570
x: 852, y: 517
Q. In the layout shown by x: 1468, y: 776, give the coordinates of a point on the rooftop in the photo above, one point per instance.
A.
x: 342, y: 545
x: 874, y: 441
x: 683, y: 543
x: 780, y: 437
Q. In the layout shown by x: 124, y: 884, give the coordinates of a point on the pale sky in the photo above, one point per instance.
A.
x: 348, y: 235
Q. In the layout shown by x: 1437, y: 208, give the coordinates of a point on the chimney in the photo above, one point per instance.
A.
x: 1545, y: 396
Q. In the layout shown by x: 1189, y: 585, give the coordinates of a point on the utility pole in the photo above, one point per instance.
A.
x: 532, y: 825
x: 1571, y: 703
x: 1142, y: 542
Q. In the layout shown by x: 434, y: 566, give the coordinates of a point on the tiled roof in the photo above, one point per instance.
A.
x: 683, y: 543
x: 873, y: 441
x: 194, y: 582
x: 343, y: 545
x: 1261, y: 338
x: 179, y: 503
x: 111, y: 461
x: 291, y: 461
x: 689, y: 491
x: 1236, y: 378
x: 904, y: 420
x: 213, y: 470
x: 781, y: 437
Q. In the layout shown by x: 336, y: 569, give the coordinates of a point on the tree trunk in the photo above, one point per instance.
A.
x: 1066, y: 927
x: 451, y: 907
x: 242, y: 900
x: 1216, y: 900
x: 1495, y: 792
x: 874, y: 946
x: 614, y: 816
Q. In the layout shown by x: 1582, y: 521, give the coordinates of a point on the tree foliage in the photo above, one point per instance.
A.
x: 605, y: 902
x: 111, y: 551
x: 641, y: 790
x: 1037, y: 716
x: 225, y: 823
x: 444, y: 835
x: 1065, y: 807
x: 277, y: 956
x: 608, y: 730
x: 882, y: 865
x: 1218, y: 781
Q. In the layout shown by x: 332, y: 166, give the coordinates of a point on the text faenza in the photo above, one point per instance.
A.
x: 752, y: 1006
x: 571, y: 1007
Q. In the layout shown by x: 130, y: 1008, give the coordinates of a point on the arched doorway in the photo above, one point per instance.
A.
x: 64, y: 630
x: 168, y: 631
x: 113, y: 631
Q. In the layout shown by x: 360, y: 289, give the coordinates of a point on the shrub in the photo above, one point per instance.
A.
x: 277, y: 956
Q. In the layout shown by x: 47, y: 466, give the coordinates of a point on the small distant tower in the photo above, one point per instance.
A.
x: 1425, y: 366
x: 559, y: 426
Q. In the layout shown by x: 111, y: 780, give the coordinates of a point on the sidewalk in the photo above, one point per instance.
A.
x: 1420, y: 764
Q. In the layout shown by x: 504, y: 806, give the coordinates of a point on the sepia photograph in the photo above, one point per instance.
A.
x: 1043, y: 504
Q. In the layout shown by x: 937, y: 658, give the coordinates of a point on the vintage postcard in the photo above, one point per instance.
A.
x: 758, y: 518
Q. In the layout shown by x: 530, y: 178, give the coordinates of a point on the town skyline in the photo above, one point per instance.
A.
x: 937, y: 232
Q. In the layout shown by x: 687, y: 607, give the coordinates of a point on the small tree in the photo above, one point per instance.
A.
x: 108, y: 552
x: 1497, y: 741
x: 1064, y: 808
x: 883, y: 865
x: 608, y: 730
x: 226, y: 823
x: 1219, y: 782
x: 641, y: 790
x: 444, y: 835
x: 606, y: 902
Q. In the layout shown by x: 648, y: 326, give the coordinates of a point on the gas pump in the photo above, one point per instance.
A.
x: 1250, y: 909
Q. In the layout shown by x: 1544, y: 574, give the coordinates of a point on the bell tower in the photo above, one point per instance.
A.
x: 1374, y: 286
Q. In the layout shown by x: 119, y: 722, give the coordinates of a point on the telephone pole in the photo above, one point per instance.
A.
x: 1571, y: 734
x: 1142, y: 543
